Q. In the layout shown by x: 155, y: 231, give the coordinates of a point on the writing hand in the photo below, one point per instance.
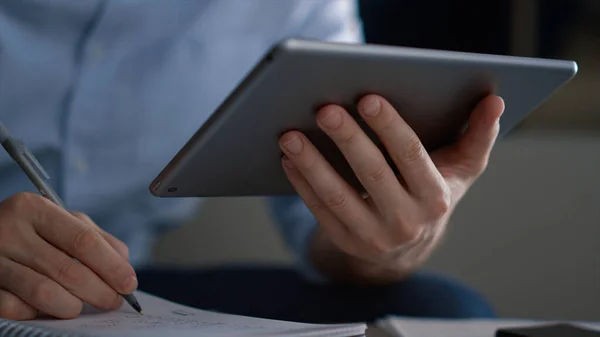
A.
x: 38, y: 244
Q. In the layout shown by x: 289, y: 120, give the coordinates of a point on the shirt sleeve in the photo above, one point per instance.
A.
x: 297, y: 226
x: 335, y: 21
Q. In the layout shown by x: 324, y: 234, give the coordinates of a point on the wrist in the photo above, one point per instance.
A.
x: 341, y: 267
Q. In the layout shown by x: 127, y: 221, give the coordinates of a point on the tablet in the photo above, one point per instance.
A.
x: 236, y: 151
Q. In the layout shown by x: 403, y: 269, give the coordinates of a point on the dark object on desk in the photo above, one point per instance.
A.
x: 554, y: 330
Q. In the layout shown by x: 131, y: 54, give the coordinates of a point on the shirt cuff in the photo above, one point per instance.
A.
x: 297, y: 226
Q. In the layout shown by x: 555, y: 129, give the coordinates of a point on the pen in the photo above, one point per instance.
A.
x: 38, y: 176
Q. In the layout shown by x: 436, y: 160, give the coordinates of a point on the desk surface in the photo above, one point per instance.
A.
x: 374, y: 331
x: 415, y: 327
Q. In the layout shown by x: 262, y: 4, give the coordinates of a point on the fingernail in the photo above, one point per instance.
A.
x: 371, y: 106
x: 294, y: 145
x: 288, y: 163
x: 331, y: 119
x: 130, y: 283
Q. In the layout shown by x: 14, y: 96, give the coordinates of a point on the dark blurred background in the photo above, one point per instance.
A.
x: 527, y: 235
x: 549, y: 29
x: 468, y: 25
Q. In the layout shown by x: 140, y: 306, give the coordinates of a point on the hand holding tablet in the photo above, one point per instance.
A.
x: 399, y: 219
x: 398, y: 138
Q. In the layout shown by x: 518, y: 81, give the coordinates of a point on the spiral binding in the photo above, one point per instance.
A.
x: 20, y: 329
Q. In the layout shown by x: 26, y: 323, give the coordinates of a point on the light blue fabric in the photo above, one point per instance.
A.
x: 105, y: 92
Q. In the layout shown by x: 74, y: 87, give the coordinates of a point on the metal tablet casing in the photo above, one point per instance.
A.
x: 236, y: 153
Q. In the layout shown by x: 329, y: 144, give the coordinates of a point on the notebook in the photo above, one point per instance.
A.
x: 164, y: 318
x: 423, y: 327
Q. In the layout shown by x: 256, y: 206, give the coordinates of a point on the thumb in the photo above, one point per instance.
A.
x: 117, y: 244
x: 474, y: 146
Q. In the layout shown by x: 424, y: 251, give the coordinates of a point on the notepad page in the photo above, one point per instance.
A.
x: 164, y: 318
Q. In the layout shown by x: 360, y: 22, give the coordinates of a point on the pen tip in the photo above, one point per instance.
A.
x: 142, y: 312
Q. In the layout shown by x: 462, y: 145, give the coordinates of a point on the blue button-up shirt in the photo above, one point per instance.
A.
x: 105, y: 92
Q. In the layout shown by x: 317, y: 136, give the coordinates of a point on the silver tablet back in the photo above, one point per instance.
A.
x: 236, y: 153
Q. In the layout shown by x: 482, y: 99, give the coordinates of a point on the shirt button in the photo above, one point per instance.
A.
x: 81, y: 165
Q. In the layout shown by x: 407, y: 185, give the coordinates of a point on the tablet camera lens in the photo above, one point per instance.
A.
x: 172, y: 189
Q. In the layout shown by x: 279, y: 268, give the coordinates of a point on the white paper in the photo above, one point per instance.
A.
x: 164, y: 318
x: 416, y: 327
